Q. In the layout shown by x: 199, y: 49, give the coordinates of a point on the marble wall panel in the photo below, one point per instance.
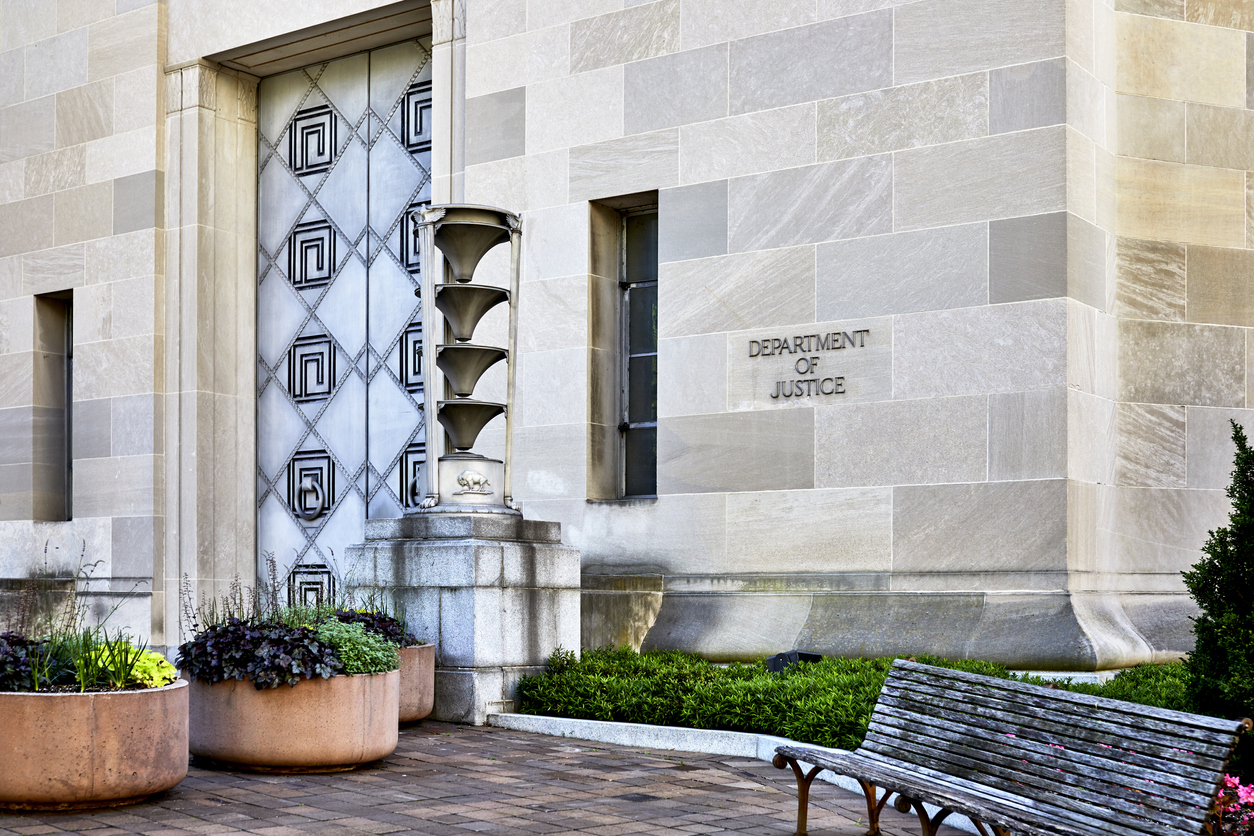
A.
x: 92, y: 428
x: 84, y: 113
x: 27, y: 129
x: 12, y: 77
x: 1092, y: 338
x: 26, y: 21
x: 137, y: 203
x: 985, y: 527
x: 1209, y: 447
x: 115, y: 367
x: 133, y: 541
x: 903, y: 273
x: 134, y: 307
x: 553, y: 314
x: 906, y: 116
x: 936, y: 38
x: 1161, y: 530
x: 641, y: 162
x: 863, y: 358
x: 489, y: 20
x: 692, y: 375
x: 556, y: 242
x: 815, y: 203
x: 677, y: 89
x: 52, y: 269
x: 1219, y: 288
x: 996, y: 177
x: 83, y: 213
x: 1180, y: 363
x: 114, y: 487
x: 12, y: 181
x: 496, y: 126
x: 747, y: 144
x: 926, y: 441
x: 122, y: 43
x: 17, y: 435
x: 550, y: 462
x: 1151, y: 128
x: 1091, y: 434
x: 28, y: 225
x: 1027, y: 258
x: 575, y: 110
x: 1208, y: 63
x: 522, y: 58
x: 810, y: 531
x: 1027, y: 96
x: 17, y: 325
x: 1220, y: 136
x: 136, y: 421
x: 557, y: 383
x: 56, y: 63
x: 1027, y: 435
x: 692, y: 221
x: 999, y: 348
x: 741, y: 451
x: 65, y: 168
x: 536, y: 181
x: 1149, y: 279
x: 17, y: 379
x: 775, y: 69
x: 671, y: 534
x: 121, y: 154
x: 1192, y: 204
x: 1086, y: 103
x: 731, y: 293
x: 714, y: 21
x: 135, y: 99
x: 543, y: 13
x: 635, y: 33
x: 1235, y: 14
x: 1172, y: 9
x: 1150, y: 447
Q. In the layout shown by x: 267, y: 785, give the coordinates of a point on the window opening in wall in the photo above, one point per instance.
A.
x: 52, y: 456
x: 638, y: 429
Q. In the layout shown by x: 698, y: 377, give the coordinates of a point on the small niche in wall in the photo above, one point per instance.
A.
x: 52, y: 462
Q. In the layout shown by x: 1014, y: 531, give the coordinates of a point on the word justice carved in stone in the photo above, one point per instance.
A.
x: 805, y: 349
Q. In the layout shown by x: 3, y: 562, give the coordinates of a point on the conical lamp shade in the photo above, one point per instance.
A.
x: 463, y: 305
x: 463, y: 365
x: 464, y: 244
x: 463, y: 420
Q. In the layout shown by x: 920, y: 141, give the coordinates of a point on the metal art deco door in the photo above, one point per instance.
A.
x: 344, y: 155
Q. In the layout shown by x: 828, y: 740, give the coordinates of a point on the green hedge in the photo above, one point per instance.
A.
x: 825, y: 703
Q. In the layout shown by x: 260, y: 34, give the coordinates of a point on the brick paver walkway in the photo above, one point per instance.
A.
x: 446, y: 779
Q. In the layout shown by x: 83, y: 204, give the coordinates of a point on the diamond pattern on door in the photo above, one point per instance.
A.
x: 343, y: 154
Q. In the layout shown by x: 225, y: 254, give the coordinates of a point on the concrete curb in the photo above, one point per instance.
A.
x: 673, y: 738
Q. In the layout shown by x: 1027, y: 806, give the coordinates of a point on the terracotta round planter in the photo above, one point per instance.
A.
x: 69, y: 751
x: 417, y: 682
x: 318, y: 725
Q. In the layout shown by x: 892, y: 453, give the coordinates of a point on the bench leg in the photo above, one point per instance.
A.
x: 873, y: 807
x: 997, y: 831
x: 929, y: 825
x: 803, y: 787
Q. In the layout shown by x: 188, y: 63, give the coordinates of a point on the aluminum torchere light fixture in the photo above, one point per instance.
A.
x: 452, y: 239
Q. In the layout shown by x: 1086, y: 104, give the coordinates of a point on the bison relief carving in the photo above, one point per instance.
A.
x: 473, y: 481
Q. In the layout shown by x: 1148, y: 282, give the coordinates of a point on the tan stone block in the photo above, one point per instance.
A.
x: 53, y: 269
x: 84, y: 113
x: 1082, y: 188
x: 1233, y: 14
x: 122, y: 43
x: 56, y: 171
x: 1150, y: 279
x: 1151, y: 128
x: 1219, y: 287
x: 1249, y: 209
x: 1150, y: 451
x: 1206, y: 64
x: 635, y: 33
x: 84, y: 213
x: 1193, y: 204
x: 27, y: 225
x: 1181, y: 363
x: 117, y: 367
x: 1171, y: 9
x: 1221, y: 136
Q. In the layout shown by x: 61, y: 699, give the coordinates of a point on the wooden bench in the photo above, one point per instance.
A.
x: 1023, y: 759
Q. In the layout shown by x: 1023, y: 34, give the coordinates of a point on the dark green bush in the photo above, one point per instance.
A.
x: 826, y: 703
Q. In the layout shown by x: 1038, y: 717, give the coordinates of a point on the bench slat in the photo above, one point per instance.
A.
x: 1164, y: 718
x: 1169, y: 746
x: 1072, y: 751
x: 1187, y: 775
x: 1040, y: 782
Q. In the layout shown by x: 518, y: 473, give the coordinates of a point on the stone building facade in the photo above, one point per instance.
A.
x: 952, y: 301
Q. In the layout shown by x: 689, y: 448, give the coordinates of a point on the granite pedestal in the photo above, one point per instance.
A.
x: 495, y: 593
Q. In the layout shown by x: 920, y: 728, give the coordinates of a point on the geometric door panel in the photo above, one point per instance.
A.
x: 344, y: 154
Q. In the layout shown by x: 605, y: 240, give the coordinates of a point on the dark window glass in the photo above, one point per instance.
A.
x: 641, y: 457
x: 642, y: 316
x: 639, y: 408
x: 641, y: 248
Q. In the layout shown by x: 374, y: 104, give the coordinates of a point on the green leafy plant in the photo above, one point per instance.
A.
x: 359, y: 650
x: 380, y: 623
x: 269, y: 654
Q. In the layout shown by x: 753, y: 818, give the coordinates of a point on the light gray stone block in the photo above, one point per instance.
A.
x: 1027, y: 258
x: 496, y: 126
x: 1179, y: 363
x: 1153, y: 129
x: 12, y: 77
x: 679, y: 390
x: 902, y: 442
x: 1150, y: 446
x: 741, y: 451
x: 937, y: 38
x: 805, y: 205
x: 92, y: 428
x: 729, y: 293
x: 845, y: 530
x: 137, y: 202
x: 136, y: 423
x: 996, y: 177
x: 670, y: 534
x: 57, y: 63
x: 1164, y: 621
x: 114, y: 487
x: 1027, y: 435
x: 715, y: 21
x: 27, y: 129
x: 1088, y: 254
x: 575, y: 110
x: 550, y: 462
x: 1027, y: 96
x: 692, y: 221
x: 1210, y: 449
x: 54, y: 171
x: 1149, y: 279
x: 729, y: 627
x: 984, y: 527
x: 637, y: 163
x: 1091, y: 439
x: 999, y: 348
x: 632, y: 34
x: 677, y: 89
x: 907, y: 116
x: 133, y: 541
x: 778, y: 68
x: 765, y: 376
x: 750, y: 143
x: 1161, y: 530
x: 903, y: 273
